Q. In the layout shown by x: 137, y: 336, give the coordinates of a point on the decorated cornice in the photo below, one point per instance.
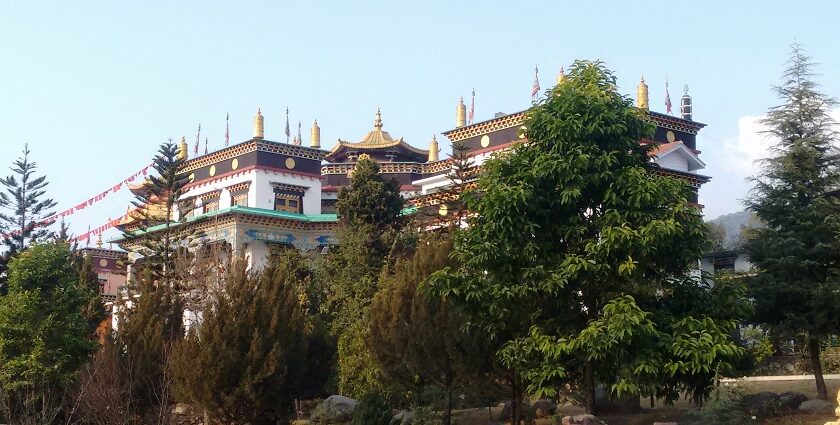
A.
x: 484, y: 127
x: 253, y: 145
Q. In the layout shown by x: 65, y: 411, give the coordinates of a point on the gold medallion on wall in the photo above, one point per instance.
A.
x: 234, y: 164
x: 670, y: 136
x: 443, y: 210
x: 212, y: 171
x: 290, y: 163
x: 485, y: 141
x: 191, y: 178
x: 103, y: 262
x: 522, y: 131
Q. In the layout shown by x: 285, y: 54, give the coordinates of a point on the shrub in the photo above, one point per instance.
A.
x: 372, y: 411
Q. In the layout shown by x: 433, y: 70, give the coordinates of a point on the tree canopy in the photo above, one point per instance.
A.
x: 796, y: 289
x: 573, y: 244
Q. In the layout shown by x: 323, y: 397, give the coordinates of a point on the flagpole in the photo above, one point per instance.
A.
x: 227, y: 130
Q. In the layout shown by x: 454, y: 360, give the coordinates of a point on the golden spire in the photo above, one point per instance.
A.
x: 259, y: 129
x: 561, y: 76
x: 315, y: 136
x: 99, y: 241
x: 433, y: 149
x: 183, y: 148
x: 461, y: 114
x: 377, y: 123
x: 642, y: 101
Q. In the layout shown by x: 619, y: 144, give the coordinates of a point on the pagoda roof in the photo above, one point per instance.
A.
x: 376, y: 139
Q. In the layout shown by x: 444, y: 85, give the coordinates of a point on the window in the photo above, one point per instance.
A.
x: 241, y: 200
x: 210, y: 206
x: 287, y: 202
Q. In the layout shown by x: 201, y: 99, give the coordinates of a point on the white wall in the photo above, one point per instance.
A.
x: 263, y: 192
x: 674, y: 161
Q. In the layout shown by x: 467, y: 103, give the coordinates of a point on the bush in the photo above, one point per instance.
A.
x: 723, y: 408
x: 372, y: 411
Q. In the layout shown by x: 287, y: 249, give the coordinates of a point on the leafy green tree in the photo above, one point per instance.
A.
x: 369, y: 224
x: 24, y: 211
x: 418, y: 339
x: 571, y: 239
x: 796, y: 289
x: 44, y: 335
x: 246, y: 360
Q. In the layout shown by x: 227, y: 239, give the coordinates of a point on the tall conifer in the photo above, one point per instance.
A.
x: 796, y: 289
x: 23, y: 208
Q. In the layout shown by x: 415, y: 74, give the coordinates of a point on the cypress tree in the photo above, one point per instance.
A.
x: 417, y: 338
x: 796, y: 289
x: 246, y: 361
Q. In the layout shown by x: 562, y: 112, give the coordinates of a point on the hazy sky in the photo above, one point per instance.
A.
x: 94, y: 87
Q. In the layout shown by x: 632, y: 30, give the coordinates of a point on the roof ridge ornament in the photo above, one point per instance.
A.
x: 377, y: 123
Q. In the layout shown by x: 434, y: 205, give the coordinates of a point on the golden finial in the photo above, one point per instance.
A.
x: 259, y: 129
x: 315, y: 136
x: 642, y: 101
x: 99, y: 241
x: 561, y: 76
x: 363, y: 156
x: 377, y: 123
x: 433, y: 149
x: 461, y: 114
x: 183, y: 149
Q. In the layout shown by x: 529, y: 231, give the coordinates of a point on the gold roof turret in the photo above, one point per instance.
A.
x: 434, y: 149
x: 561, y: 76
x: 259, y: 128
x: 377, y: 123
x: 99, y: 240
x: 183, y: 149
x: 315, y: 135
x: 461, y: 114
x: 642, y: 100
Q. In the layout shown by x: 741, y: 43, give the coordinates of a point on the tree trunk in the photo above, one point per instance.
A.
x: 589, y: 387
x: 447, y: 407
x: 514, y: 402
x: 816, y: 366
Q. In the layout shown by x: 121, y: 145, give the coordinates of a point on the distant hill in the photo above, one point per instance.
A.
x: 732, y: 224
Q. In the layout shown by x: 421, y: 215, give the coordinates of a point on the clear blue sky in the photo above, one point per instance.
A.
x: 94, y: 87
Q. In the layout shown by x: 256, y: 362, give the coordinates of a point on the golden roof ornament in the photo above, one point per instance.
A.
x: 433, y: 149
x: 461, y: 114
x: 363, y: 156
x: 183, y: 149
x: 561, y: 76
x: 315, y: 136
x: 99, y: 241
x: 642, y: 100
x: 377, y: 123
x: 259, y: 129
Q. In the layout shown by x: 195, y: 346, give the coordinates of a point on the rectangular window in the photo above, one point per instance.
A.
x: 241, y: 200
x: 287, y: 202
x: 211, y: 206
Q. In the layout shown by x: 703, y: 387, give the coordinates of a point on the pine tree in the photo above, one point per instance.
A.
x: 418, y: 339
x: 23, y: 208
x: 796, y: 289
x: 155, y: 207
x: 246, y: 360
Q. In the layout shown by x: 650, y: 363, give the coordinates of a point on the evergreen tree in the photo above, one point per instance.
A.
x: 23, y: 208
x: 796, y: 289
x: 150, y: 321
x: 369, y: 224
x: 418, y: 339
x: 155, y: 211
x: 44, y: 335
x: 246, y: 361
x: 573, y: 241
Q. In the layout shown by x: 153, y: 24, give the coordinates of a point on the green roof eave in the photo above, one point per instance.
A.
x: 238, y: 209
